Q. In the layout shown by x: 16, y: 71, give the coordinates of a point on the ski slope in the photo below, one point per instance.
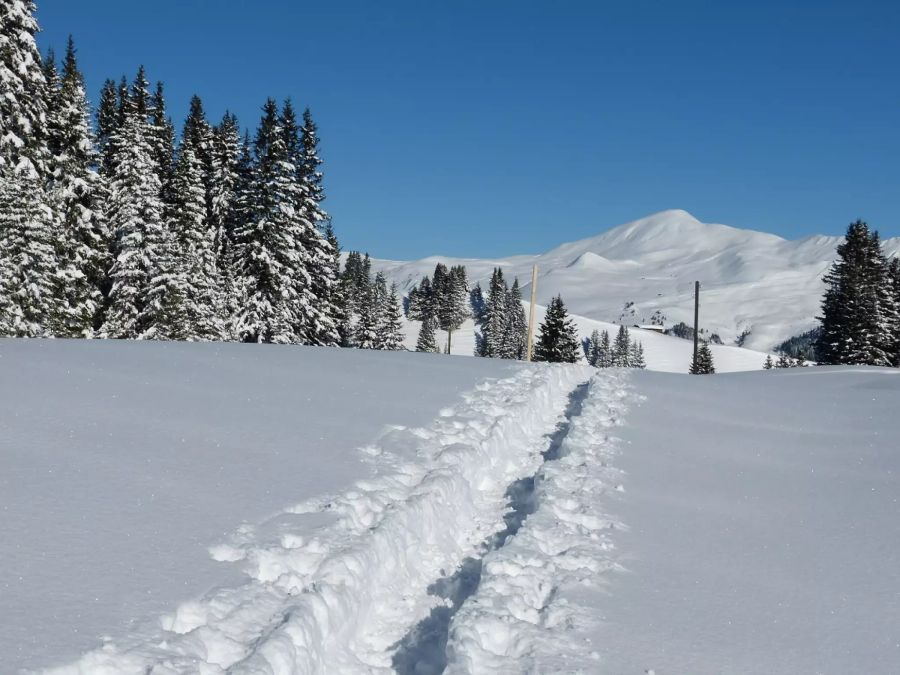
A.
x: 206, y: 508
x: 753, y: 282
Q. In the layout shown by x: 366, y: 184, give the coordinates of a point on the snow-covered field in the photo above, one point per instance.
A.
x: 752, y: 281
x: 227, y: 508
x: 123, y: 463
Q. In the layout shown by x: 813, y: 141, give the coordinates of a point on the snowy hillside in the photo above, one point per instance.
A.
x: 664, y: 353
x: 752, y: 281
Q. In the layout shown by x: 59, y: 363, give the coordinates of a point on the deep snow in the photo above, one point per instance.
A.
x: 752, y: 281
x: 122, y: 463
x: 763, y: 514
x: 246, y: 509
x: 744, y: 523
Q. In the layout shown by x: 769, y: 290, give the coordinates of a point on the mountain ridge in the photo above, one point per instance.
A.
x: 757, y: 288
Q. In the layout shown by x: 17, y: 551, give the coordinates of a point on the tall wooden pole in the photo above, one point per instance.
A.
x: 696, y: 319
x: 530, y: 347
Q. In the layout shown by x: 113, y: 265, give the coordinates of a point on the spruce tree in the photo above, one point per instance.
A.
x: 107, y: 124
x: 894, y: 282
x: 76, y: 195
x: 426, y: 341
x: 451, y: 295
x: 342, y: 297
x: 515, y: 330
x: 371, y: 305
x: 703, y: 365
x: 196, y: 265
x: 476, y: 300
x: 637, y: 356
x: 593, y: 353
x: 224, y: 184
x: 162, y: 142
x: 320, y: 256
x: 269, y: 262
x: 28, y: 263
x: 605, y: 358
x: 425, y: 300
x: 621, y: 350
x: 390, y: 326
x: 558, y: 340
x: 140, y: 236
x: 495, y: 315
x: 857, y: 310
x: 23, y: 100
x: 769, y: 364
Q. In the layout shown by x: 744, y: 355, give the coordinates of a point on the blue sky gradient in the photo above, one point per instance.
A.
x: 490, y: 128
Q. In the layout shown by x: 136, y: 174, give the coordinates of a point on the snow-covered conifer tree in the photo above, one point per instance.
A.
x: 76, y: 195
x: 426, y: 341
x: 319, y: 254
x: 451, y: 293
x: 515, y: 333
x: 857, y: 311
x: 268, y: 258
x: 477, y: 302
x: 193, y: 275
x: 495, y: 316
x: 27, y: 253
x: 593, y: 349
x: 637, y: 355
x: 224, y: 184
x: 704, y: 363
x: 107, y: 123
x: 139, y: 234
x: 390, y: 326
x: 162, y: 141
x: 558, y: 339
x: 371, y: 307
x: 621, y: 350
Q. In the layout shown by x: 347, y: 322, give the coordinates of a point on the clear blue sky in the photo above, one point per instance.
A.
x: 490, y: 128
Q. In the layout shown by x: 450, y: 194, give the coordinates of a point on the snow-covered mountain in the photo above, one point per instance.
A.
x: 752, y: 282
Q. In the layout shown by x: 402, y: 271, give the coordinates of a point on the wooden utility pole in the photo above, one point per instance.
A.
x: 696, y: 319
x: 530, y: 347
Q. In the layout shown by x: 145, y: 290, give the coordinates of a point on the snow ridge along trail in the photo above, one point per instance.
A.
x: 524, y: 616
x: 341, y: 600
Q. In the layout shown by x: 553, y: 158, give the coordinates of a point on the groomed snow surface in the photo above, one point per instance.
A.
x: 227, y: 508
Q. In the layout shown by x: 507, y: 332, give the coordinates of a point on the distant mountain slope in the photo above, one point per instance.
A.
x: 752, y: 282
x: 663, y: 353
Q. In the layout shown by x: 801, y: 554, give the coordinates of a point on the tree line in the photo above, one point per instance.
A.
x: 623, y: 352
x: 115, y: 230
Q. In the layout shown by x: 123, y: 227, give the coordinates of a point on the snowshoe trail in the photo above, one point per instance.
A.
x: 520, y: 618
x: 349, y: 597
